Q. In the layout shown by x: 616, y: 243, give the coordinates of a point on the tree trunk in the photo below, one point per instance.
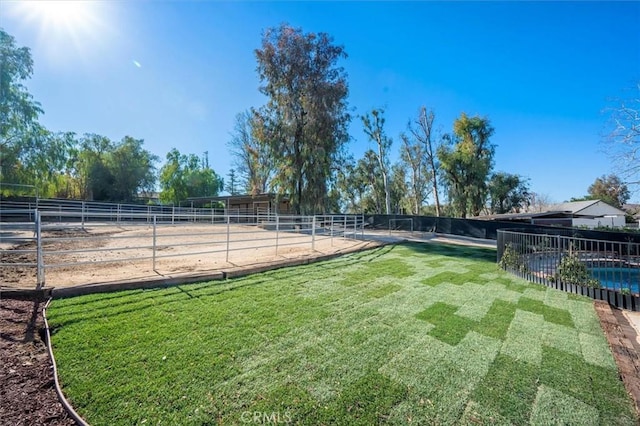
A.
x: 436, y: 197
x: 299, y: 163
x: 387, y: 195
x: 385, y: 182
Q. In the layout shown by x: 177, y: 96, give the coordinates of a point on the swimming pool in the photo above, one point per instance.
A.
x: 618, y: 278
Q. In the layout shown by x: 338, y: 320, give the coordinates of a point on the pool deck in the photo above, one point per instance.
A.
x: 634, y: 321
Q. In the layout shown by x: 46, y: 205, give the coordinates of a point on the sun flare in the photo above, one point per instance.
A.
x: 65, y: 29
x: 59, y: 14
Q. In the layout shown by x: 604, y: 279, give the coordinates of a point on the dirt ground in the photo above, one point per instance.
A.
x: 107, y: 253
x: 27, y: 392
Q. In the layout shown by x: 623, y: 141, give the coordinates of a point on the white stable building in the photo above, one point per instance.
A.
x: 592, y: 213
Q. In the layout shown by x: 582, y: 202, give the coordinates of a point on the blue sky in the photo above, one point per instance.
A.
x: 175, y: 73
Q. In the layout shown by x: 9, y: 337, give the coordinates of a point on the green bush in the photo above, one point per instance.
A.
x: 572, y: 271
x: 511, y: 260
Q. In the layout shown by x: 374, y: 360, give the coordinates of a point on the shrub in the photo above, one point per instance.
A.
x: 511, y: 260
x: 572, y: 271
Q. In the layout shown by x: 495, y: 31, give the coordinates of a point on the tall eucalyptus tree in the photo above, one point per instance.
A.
x: 305, y: 119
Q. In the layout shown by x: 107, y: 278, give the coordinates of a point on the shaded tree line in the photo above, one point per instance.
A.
x: 433, y: 165
x: 295, y: 144
x: 89, y: 167
x: 185, y: 176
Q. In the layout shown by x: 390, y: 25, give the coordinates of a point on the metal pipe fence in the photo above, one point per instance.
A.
x: 571, y: 261
x: 87, y: 210
x: 63, y: 239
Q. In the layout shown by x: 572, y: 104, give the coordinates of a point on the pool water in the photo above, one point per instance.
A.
x: 618, y: 278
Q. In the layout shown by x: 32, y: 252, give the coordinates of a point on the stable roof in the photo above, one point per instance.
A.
x: 576, y: 207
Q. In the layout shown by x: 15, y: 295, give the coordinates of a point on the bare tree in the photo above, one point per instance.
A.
x: 251, y: 155
x: 623, y: 137
x: 424, y: 133
x: 539, y: 202
x: 413, y: 156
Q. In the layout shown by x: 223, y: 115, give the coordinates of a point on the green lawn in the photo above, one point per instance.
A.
x: 421, y: 334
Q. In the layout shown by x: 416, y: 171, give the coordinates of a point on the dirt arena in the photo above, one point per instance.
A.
x: 101, y: 254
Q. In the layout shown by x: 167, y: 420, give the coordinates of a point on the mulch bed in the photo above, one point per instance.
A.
x: 27, y: 390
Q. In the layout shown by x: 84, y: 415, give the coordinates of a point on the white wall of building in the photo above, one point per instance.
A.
x: 601, y: 209
x: 617, y: 221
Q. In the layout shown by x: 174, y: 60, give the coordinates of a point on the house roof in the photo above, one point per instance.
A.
x: 573, y: 206
x: 576, y: 207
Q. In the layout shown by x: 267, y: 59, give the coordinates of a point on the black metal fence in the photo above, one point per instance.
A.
x: 486, y: 228
x: 600, y: 269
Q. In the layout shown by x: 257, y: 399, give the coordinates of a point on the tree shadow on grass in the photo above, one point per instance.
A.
x: 102, y: 306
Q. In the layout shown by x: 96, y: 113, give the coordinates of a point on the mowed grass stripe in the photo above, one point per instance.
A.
x: 414, y: 333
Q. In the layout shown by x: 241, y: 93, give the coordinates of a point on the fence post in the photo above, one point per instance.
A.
x: 277, y: 232
x: 39, y: 259
x: 355, y: 226
x: 313, y: 234
x: 331, y: 230
x: 154, y: 242
x: 559, y: 255
x: 344, y: 228
x: 228, y: 226
x: 82, y: 207
x: 173, y: 214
